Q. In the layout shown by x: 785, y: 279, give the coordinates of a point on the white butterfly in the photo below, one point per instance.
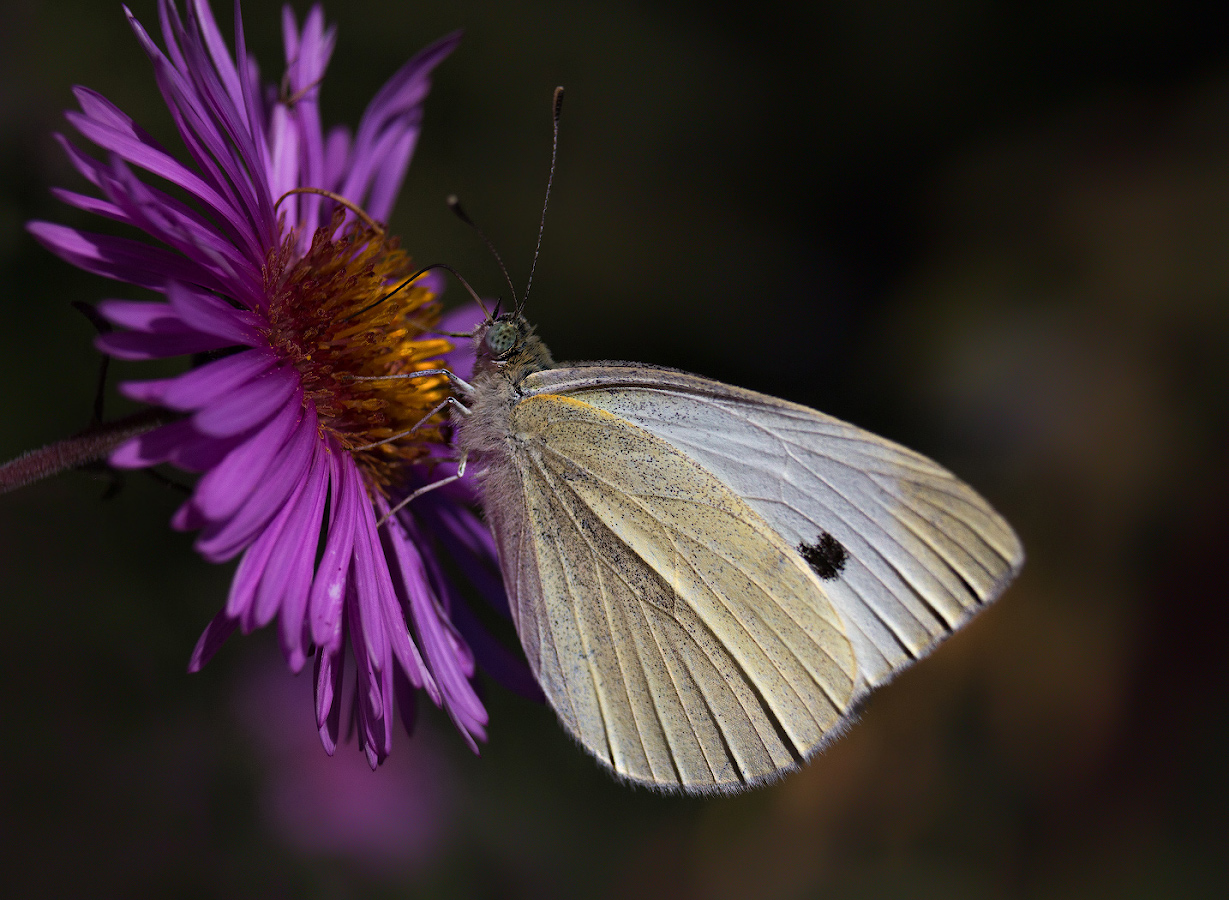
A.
x: 706, y: 580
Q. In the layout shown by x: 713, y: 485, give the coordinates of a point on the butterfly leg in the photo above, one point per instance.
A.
x: 439, y: 407
x: 426, y: 488
x: 458, y: 382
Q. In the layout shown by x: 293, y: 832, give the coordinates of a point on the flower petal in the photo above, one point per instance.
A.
x: 329, y: 585
x: 210, y: 314
x: 395, y: 111
x: 211, y: 640
x: 208, y: 384
x: 224, y: 488
x: 250, y: 404
x: 222, y: 540
x: 229, y: 191
x: 120, y: 258
x: 150, y: 392
x: 141, y: 315
x: 152, y: 447
x: 328, y: 680
x: 134, y: 346
x: 127, y: 144
x: 299, y: 543
x: 450, y: 668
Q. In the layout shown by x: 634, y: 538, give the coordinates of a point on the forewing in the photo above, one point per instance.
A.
x: 917, y: 551
x: 682, y: 641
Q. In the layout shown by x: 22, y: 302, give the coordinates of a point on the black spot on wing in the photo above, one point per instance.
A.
x: 826, y: 556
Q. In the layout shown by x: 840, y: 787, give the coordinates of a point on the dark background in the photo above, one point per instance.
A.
x: 996, y: 232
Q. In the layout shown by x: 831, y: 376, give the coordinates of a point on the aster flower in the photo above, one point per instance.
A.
x: 282, y: 288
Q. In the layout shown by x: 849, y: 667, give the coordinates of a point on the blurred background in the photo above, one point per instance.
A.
x: 995, y: 232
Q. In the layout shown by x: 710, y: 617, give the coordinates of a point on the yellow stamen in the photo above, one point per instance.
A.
x: 326, y: 319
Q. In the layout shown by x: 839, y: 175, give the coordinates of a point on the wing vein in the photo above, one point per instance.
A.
x: 580, y: 630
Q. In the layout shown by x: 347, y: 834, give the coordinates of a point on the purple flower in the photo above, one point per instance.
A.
x: 282, y: 288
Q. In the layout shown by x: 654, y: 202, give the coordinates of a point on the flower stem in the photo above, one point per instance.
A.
x: 89, y: 446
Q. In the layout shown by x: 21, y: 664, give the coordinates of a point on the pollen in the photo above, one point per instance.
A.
x: 338, y: 316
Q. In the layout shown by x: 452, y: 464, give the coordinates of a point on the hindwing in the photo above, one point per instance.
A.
x: 681, y: 639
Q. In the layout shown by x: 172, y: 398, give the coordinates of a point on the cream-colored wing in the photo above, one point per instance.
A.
x: 680, y: 639
x: 908, y: 550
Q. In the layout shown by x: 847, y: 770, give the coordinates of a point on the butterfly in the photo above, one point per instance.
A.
x: 707, y: 581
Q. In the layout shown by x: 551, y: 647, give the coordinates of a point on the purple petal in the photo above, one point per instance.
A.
x: 450, y: 667
x: 403, y: 94
x: 152, y: 447
x: 213, y: 637
x: 247, y: 577
x: 395, y: 110
x: 90, y: 204
x: 251, y: 404
x: 389, y: 175
x: 375, y: 694
x: 373, y: 588
x: 206, y: 143
x: 329, y: 670
x: 329, y: 585
x: 242, y: 124
x: 203, y: 453
x: 447, y: 656
x: 221, y: 378
x: 220, y: 541
x: 218, y: 52
x: 97, y: 108
x: 89, y: 167
x: 336, y: 155
x: 212, y: 315
x: 148, y: 156
x: 365, y: 167
x: 225, y: 487
x: 407, y: 701
x: 135, y: 346
x: 188, y: 517
x: 505, y: 666
x: 183, y: 229
x: 120, y: 258
x: 307, y: 57
x: 299, y: 543
x: 150, y: 392
x: 284, y: 172
x: 141, y: 315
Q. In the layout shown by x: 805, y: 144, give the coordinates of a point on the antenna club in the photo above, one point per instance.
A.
x: 558, y: 102
x: 454, y: 204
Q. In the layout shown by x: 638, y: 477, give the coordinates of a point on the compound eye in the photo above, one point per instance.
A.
x: 501, y: 338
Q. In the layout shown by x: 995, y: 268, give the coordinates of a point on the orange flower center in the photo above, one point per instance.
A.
x: 335, y: 316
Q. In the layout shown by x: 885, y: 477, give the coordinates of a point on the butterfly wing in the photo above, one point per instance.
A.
x: 681, y: 640
x: 908, y: 551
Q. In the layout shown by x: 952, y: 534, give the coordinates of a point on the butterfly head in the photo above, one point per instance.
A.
x: 508, y: 343
x: 503, y: 336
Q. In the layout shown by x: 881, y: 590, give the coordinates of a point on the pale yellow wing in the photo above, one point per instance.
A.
x: 682, y: 641
x: 919, y: 550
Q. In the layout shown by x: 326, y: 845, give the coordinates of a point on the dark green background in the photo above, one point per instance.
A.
x: 998, y: 233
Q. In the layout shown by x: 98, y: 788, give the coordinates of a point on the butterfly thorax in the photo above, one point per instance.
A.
x: 506, y: 352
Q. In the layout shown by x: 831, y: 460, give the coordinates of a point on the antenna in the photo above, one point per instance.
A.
x: 455, y: 205
x: 421, y: 272
x: 557, y: 109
